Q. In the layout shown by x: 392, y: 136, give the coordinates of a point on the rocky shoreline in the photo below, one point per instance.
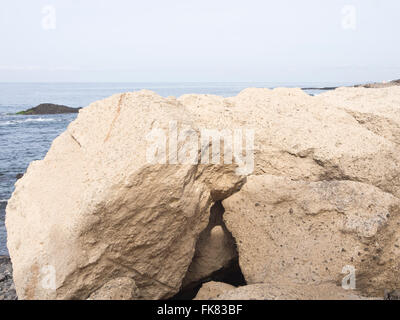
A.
x: 7, y: 288
x: 374, y: 85
x: 307, y: 208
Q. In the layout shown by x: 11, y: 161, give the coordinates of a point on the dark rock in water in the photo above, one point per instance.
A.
x: 321, y: 88
x: 49, y: 108
x: 19, y: 176
x: 392, y: 295
x: 7, y: 288
x: 368, y: 85
x: 380, y: 84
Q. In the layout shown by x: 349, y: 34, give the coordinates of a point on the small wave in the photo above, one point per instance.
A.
x: 13, y: 122
x: 3, y: 200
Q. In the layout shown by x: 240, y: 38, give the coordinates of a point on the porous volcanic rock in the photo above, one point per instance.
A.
x: 290, y: 292
x: 117, y: 289
x: 302, y: 137
x: 311, y: 232
x: 101, y: 211
x: 95, y: 209
x: 212, y: 289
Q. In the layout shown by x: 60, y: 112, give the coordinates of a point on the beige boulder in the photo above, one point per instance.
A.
x: 117, y: 289
x: 95, y: 209
x: 311, y: 232
x: 291, y: 292
x: 378, y: 110
x: 211, y: 290
x: 303, y: 137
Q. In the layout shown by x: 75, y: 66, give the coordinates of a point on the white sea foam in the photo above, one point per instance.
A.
x: 3, y: 200
x: 14, y: 122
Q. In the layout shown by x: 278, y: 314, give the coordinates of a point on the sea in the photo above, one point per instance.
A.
x: 27, y: 138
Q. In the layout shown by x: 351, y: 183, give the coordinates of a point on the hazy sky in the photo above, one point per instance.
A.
x: 203, y: 40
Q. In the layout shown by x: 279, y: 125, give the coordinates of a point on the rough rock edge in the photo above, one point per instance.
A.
x: 336, y: 174
x: 379, y: 125
x: 266, y: 291
x: 385, y: 235
x: 7, y: 288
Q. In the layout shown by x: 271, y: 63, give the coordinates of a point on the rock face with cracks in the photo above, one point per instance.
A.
x: 308, y: 232
x: 95, y: 210
x: 377, y: 110
x: 320, y: 191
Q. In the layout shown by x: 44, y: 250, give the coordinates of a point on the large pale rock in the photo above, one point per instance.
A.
x: 95, y: 209
x: 303, y: 137
x: 311, y: 232
x: 291, y: 292
x: 117, y: 289
x: 378, y: 110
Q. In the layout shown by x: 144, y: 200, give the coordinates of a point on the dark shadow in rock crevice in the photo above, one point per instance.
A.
x: 230, y: 274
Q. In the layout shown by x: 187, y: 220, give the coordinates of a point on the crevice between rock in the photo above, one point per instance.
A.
x: 203, y: 258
